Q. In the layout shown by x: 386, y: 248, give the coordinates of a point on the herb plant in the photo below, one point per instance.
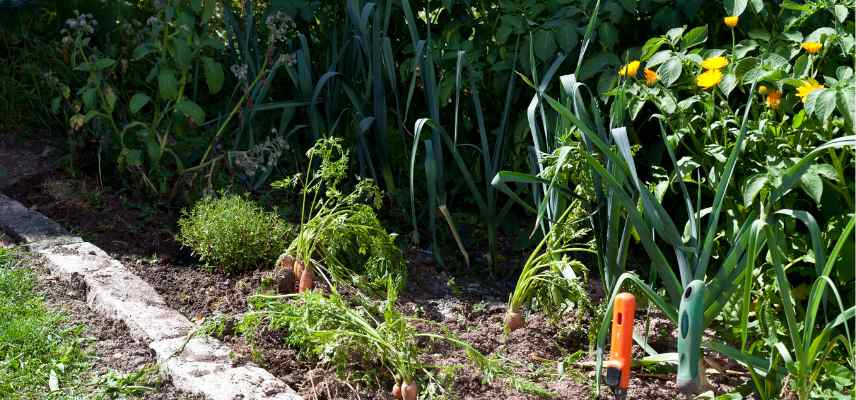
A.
x: 233, y: 233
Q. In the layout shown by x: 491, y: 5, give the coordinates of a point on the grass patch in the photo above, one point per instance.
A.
x: 42, y: 356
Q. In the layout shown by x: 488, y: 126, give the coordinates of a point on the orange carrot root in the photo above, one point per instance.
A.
x: 307, y: 280
x: 409, y: 391
x: 513, y: 320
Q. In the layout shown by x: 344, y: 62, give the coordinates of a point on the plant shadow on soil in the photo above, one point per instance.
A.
x: 144, y: 240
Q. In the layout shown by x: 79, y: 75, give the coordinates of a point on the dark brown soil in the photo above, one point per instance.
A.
x: 143, y: 239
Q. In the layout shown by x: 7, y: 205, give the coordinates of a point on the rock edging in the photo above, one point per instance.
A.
x: 199, y: 365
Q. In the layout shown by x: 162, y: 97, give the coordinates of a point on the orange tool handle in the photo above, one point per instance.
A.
x: 620, y: 356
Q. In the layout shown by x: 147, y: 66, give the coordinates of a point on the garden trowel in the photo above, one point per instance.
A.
x: 620, y: 357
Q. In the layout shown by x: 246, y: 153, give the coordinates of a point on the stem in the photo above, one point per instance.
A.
x: 229, y: 118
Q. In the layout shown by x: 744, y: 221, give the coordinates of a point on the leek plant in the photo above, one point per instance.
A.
x: 490, y: 156
x: 805, y: 348
x: 694, y: 253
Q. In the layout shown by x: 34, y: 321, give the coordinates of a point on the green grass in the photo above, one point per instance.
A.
x: 38, y: 348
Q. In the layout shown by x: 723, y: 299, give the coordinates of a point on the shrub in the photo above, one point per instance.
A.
x: 233, y: 232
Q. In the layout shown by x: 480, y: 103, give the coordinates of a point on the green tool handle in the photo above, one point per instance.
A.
x: 690, y: 327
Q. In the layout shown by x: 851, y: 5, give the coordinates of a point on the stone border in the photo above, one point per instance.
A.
x: 199, y: 365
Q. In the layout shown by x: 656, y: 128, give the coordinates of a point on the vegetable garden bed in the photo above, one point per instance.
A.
x: 547, y: 358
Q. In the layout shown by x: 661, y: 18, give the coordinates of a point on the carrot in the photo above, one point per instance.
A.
x: 409, y: 391
x: 513, y: 320
x: 396, y: 390
x: 307, y: 280
x: 286, y: 262
x: 298, y: 268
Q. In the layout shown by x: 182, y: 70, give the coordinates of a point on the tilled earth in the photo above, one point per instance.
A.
x: 472, y: 310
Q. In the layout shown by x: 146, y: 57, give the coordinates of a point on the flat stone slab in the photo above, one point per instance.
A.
x: 203, y: 364
x: 196, y: 364
x: 31, y: 227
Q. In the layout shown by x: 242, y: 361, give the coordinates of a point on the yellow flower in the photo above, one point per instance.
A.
x: 812, y: 47
x: 807, y: 88
x: 630, y: 69
x: 651, y: 77
x: 731, y: 21
x: 762, y: 90
x: 718, y: 62
x: 709, y: 79
x: 774, y: 98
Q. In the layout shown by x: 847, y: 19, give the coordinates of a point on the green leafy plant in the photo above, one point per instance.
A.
x: 361, y: 337
x: 233, y: 233
x: 340, y: 233
x: 810, y: 340
x: 550, y: 278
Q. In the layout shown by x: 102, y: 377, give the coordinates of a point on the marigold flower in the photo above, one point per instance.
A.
x: 731, y: 21
x: 774, y: 98
x: 709, y: 79
x: 807, y: 88
x: 651, y: 77
x: 630, y: 69
x: 811, y: 47
x: 762, y: 90
x: 718, y: 62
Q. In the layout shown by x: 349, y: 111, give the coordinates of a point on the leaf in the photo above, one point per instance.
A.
x: 134, y: 158
x: 801, y: 66
x: 745, y: 65
x: 821, y: 103
x: 566, y: 36
x: 812, y: 185
x: 597, y: 63
x: 141, y: 51
x: 743, y: 48
x: 840, y: 12
x: 727, y: 84
x: 659, y: 58
x: 104, y: 63
x: 181, y: 53
x: 753, y: 187
x: 138, y: 102
x: 757, y: 5
x: 694, y: 37
x: 208, y: 10
x: 844, y: 99
x: 607, y: 35
x: 545, y: 46
x: 168, y: 84
x: 670, y: 71
x: 213, y: 74
x: 192, y: 110
x: 651, y: 47
x: 734, y: 7
x: 675, y: 34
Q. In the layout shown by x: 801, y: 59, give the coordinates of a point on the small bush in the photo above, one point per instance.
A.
x: 233, y: 232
